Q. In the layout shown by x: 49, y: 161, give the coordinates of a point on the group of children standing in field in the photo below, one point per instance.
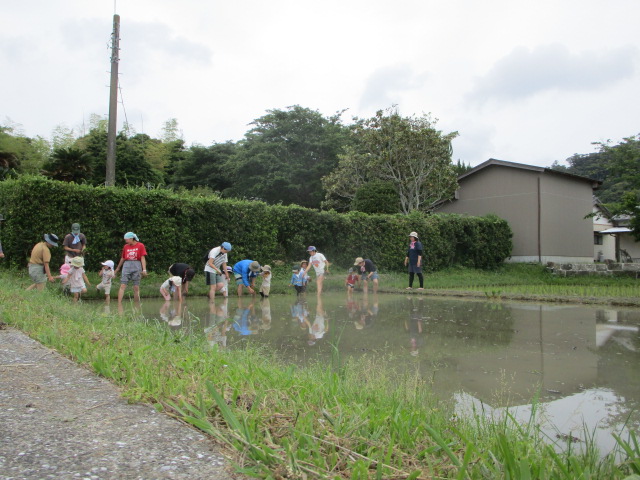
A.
x: 217, y: 273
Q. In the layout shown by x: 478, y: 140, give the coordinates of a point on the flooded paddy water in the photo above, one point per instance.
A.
x: 581, y: 362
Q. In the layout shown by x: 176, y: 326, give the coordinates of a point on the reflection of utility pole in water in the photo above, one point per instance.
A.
x: 110, y: 176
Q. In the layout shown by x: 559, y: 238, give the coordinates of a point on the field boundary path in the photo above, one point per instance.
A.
x: 59, y: 420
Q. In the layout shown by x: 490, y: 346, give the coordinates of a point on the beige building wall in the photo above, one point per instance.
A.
x: 628, y: 243
x: 606, y: 251
x: 545, y: 211
x: 510, y: 195
x: 565, y: 232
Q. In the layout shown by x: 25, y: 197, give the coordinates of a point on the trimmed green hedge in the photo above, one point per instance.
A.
x: 177, y: 228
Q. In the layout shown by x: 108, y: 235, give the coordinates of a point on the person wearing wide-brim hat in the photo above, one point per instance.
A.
x: 74, y: 243
x: 245, y: 273
x: 39, y: 262
x: 77, y: 278
x: 1, y: 252
x: 413, y: 260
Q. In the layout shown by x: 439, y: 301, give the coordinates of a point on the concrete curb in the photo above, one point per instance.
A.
x: 58, y: 420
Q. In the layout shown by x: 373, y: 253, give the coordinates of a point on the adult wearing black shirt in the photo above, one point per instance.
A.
x: 369, y: 272
x: 185, y: 272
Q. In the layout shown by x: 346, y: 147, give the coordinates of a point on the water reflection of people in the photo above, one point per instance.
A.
x: 299, y: 313
x: 265, y: 318
x: 320, y: 324
x: 366, y: 314
x: 243, y: 317
x: 218, y: 323
x: 171, y: 312
x: 413, y: 326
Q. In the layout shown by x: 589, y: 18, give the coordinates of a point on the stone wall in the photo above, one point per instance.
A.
x: 607, y: 268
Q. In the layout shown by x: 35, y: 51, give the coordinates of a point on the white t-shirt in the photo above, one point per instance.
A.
x: 218, y: 260
x: 318, y: 261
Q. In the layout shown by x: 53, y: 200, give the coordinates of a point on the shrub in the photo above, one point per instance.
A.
x: 179, y: 228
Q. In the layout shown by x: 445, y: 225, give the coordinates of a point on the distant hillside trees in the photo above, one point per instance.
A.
x: 616, y: 166
x: 296, y: 155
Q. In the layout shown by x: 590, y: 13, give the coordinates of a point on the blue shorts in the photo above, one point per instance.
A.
x: 374, y: 276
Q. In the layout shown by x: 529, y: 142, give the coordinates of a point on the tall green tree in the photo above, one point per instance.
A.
x: 204, y: 167
x: 630, y: 205
x: 623, y: 161
x: 20, y: 154
x: 62, y: 137
x: 131, y: 166
x: 616, y: 166
x: 408, y: 152
x: 285, y: 155
x: 461, y: 168
x: 68, y: 165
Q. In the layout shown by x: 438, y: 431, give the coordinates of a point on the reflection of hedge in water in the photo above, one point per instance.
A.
x: 491, y: 323
x: 387, y: 327
x: 181, y: 228
x: 482, y: 322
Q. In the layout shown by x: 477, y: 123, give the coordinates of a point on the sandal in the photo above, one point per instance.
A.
x: 409, y: 288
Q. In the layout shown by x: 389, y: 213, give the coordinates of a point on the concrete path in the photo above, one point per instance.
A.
x: 60, y: 421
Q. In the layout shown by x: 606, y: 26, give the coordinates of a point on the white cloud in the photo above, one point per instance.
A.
x: 525, y: 72
x: 385, y: 86
x: 520, y: 81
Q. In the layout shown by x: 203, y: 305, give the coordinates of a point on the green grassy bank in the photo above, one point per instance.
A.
x: 339, y: 420
x: 509, y: 281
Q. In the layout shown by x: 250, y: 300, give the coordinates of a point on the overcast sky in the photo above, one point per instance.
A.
x: 529, y: 82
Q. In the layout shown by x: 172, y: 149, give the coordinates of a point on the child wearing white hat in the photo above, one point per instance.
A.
x: 77, y: 278
x: 170, y: 286
x: 107, y: 274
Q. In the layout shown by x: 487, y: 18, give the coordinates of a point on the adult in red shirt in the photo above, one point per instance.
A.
x: 134, y: 265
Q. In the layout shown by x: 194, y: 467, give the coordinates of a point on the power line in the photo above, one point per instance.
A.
x: 124, y: 110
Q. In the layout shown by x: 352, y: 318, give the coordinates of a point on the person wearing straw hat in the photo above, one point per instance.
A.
x: 39, y: 262
x: 413, y: 260
x: 77, y: 278
x: 245, y: 273
x: 369, y: 272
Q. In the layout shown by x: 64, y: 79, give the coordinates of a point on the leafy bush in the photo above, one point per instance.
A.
x: 376, y: 197
x: 179, y: 228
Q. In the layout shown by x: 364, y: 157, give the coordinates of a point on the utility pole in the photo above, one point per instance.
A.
x: 110, y: 177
